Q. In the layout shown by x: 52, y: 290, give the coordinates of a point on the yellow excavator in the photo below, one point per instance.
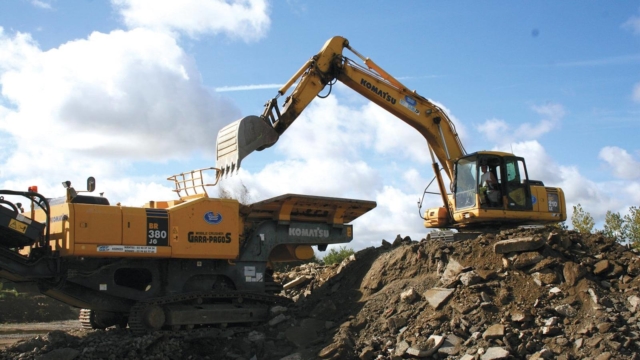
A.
x: 487, y: 188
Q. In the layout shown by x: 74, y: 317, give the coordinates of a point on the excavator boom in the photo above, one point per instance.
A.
x: 240, y: 138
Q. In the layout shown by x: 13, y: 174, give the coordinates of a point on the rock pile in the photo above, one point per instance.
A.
x: 518, y: 294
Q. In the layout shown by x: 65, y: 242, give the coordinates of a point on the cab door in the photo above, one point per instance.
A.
x: 517, y: 184
x: 465, y: 183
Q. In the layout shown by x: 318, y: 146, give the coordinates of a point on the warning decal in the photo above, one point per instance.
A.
x: 18, y: 226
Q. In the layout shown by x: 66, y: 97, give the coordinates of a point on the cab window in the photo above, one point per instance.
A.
x: 518, y: 192
x: 465, y: 186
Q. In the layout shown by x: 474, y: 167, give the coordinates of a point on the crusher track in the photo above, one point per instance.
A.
x: 137, y: 312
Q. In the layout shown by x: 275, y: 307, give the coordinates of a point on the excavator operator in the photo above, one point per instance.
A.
x: 490, y: 184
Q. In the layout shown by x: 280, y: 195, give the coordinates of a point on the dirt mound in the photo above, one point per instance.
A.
x: 528, y: 294
x: 517, y: 294
x: 21, y: 307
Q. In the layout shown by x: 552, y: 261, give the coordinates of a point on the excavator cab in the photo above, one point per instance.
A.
x: 494, y: 187
x: 492, y: 181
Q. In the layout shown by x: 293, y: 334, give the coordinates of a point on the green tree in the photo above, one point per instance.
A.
x: 336, y: 256
x: 631, y: 227
x: 614, y: 226
x: 581, y: 220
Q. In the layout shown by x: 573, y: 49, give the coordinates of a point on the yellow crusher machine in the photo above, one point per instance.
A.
x: 170, y: 264
x: 511, y: 199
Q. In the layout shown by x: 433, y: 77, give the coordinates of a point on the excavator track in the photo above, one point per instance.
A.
x: 150, y: 315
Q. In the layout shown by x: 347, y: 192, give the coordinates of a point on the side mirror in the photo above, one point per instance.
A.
x: 91, y: 184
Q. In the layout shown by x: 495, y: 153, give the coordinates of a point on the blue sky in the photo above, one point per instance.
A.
x: 133, y: 91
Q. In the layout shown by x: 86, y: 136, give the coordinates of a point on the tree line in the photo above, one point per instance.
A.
x: 625, y: 229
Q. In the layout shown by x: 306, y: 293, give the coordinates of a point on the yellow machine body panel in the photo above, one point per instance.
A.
x: 547, y: 208
x: 205, y: 228
x: 61, y: 229
x: 133, y: 236
x: 97, y: 224
x: 134, y: 226
x: 436, y: 217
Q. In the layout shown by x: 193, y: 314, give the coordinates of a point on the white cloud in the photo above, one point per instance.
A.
x: 494, y: 130
x: 137, y: 191
x: 551, y: 112
x: 41, y: 4
x: 313, y: 176
x: 115, y: 102
x: 124, y: 94
x: 330, y: 127
x: 633, y: 25
x: 623, y: 165
x: 248, y: 87
x: 101, y: 106
x: 500, y: 132
x: 396, y: 138
x: 632, y: 192
x: 578, y: 189
x: 326, y: 129
x: 414, y: 179
x: 245, y: 19
x: 540, y: 165
x: 635, y: 95
x: 298, y: 7
x: 396, y: 214
x: 14, y: 52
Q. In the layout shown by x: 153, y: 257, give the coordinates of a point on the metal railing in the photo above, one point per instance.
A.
x: 191, y: 183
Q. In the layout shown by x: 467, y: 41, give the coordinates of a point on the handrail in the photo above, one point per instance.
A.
x: 191, y: 181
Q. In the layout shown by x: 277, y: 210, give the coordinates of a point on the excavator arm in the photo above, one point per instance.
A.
x: 246, y: 135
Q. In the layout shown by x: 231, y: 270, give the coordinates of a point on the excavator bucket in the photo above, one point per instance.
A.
x: 239, y: 139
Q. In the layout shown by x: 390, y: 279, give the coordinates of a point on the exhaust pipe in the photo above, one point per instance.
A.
x: 239, y: 139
